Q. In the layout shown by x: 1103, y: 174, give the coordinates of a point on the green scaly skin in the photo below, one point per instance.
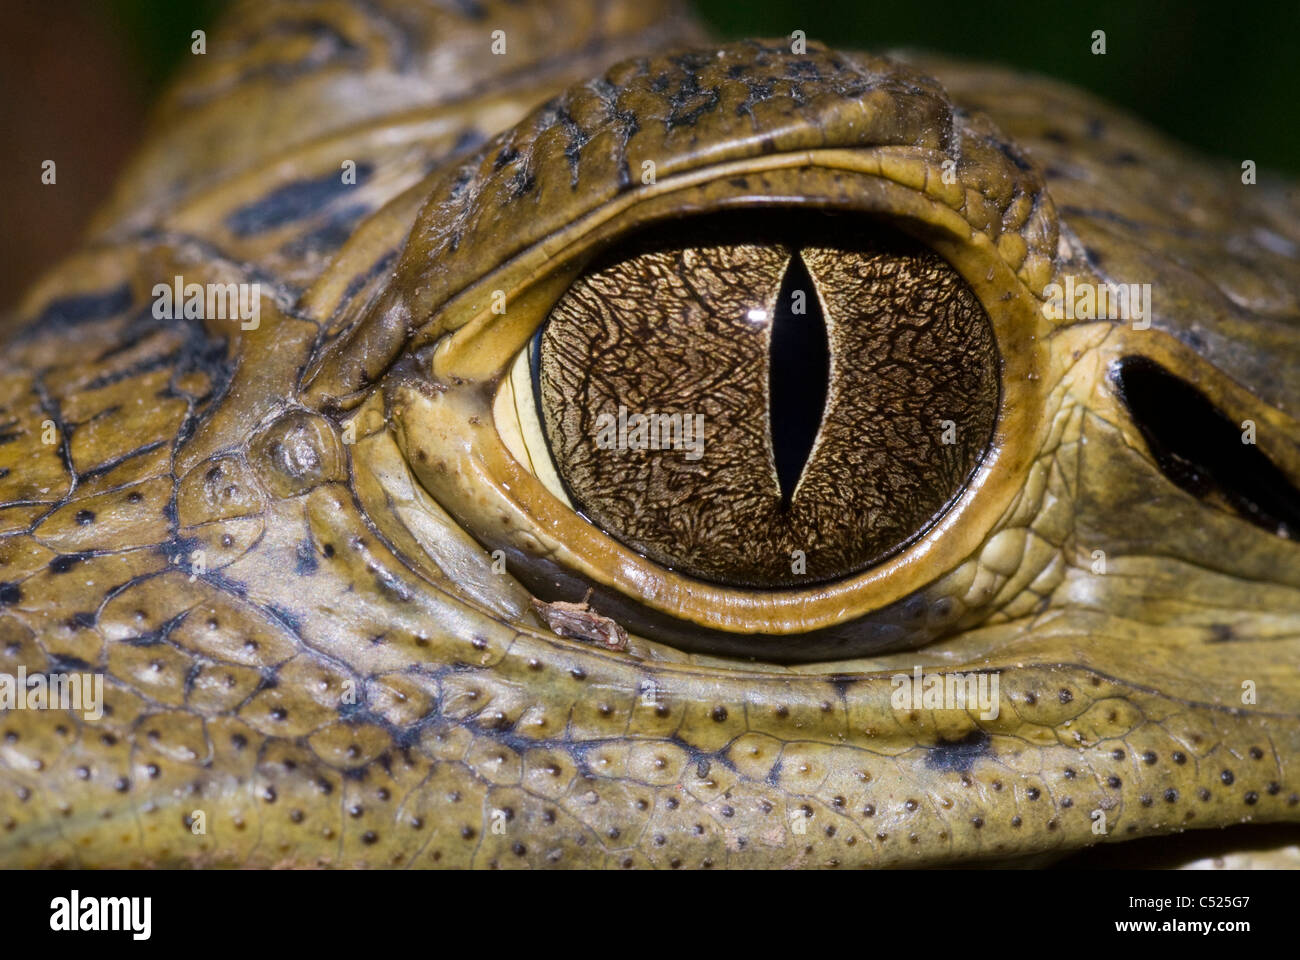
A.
x: 347, y: 682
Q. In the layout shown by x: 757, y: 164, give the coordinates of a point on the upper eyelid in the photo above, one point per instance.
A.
x: 467, y: 225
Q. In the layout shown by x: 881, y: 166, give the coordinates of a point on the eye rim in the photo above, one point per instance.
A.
x: 548, y: 529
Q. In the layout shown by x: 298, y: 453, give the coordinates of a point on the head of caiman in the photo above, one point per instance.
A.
x: 327, y: 455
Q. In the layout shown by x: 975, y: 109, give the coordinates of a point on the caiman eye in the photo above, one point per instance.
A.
x: 782, y: 401
x: 790, y: 400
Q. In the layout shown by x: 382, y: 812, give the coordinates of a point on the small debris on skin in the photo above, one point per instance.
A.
x: 578, y: 620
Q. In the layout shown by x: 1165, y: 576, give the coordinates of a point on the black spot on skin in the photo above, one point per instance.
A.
x: 10, y: 593
x: 1227, y: 778
x: 86, y: 308
x: 470, y: 9
x: 959, y: 755
x: 523, y: 183
x: 65, y: 562
x: 84, y: 517
x: 467, y: 140
x: 60, y: 664
x: 307, y: 563
x: 293, y: 201
x: 290, y: 620
x: 330, y: 235
x: 841, y: 683
x: 1010, y: 153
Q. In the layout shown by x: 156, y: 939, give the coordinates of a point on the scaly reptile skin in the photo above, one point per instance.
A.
x: 345, y: 680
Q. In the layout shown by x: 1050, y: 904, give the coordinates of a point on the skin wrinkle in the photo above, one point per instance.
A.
x: 448, y: 684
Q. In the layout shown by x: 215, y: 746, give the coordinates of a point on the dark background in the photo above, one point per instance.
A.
x: 77, y: 77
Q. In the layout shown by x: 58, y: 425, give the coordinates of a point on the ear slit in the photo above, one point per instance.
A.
x: 1200, y: 449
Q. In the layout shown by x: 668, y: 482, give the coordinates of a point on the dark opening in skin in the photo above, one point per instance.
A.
x: 1201, y: 450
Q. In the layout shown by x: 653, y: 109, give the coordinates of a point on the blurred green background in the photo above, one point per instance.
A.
x: 1219, y: 76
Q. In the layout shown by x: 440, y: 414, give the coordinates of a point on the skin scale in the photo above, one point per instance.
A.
x: 347, y: 681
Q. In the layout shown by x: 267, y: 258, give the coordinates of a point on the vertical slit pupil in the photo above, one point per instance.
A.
x: 799, y: 373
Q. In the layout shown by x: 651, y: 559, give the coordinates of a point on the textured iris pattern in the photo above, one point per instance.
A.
x: 654, y: 383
